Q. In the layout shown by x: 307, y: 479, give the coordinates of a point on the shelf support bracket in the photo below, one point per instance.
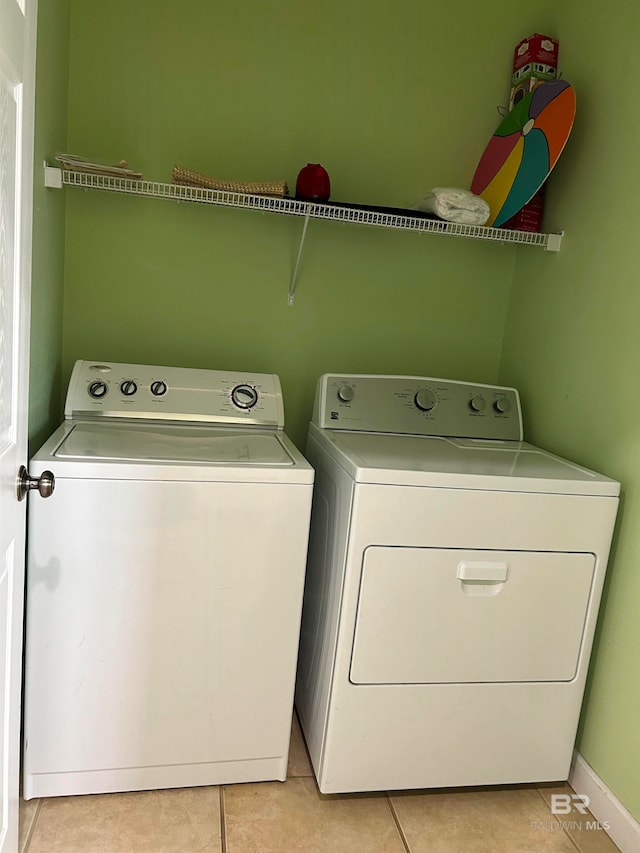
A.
x: 554, y: 241
x: 52, y: 176
x: 292, y: 286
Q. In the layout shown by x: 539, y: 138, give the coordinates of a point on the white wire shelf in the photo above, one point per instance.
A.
x: 400, y: 220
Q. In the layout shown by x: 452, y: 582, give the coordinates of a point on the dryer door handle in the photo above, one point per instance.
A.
x: 478, y: 571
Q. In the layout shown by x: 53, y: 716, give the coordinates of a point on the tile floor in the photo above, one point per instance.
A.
x: 272, y: 817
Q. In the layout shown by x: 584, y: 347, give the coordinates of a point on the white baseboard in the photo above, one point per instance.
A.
x: 623, y: 828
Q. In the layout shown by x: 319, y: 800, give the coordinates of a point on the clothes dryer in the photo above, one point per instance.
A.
x: 453, y: 583
x: 165, y: 579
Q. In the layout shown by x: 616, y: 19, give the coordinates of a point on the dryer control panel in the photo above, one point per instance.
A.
x: 418, y: 405
x: 105, y: 389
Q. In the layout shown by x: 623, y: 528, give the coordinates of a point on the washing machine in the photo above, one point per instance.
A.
x: 453, y: 583
x: 164, y: 583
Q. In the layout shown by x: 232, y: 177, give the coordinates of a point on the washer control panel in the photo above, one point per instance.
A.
x: 418, y: 405
x: 115, y: 390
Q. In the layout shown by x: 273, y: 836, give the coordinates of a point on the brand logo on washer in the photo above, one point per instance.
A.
x: 335, y: 416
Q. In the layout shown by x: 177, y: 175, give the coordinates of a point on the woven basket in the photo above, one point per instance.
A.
x: 188, y: 178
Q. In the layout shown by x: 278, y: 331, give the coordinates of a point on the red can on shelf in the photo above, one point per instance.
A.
x: 313, y: 183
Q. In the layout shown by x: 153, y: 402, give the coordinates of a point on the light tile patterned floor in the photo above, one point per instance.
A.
x: 272, y: 817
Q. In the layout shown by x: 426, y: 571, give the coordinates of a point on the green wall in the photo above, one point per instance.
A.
x: 52, y: 76
x: 393, y: 99
x: 571, y: 346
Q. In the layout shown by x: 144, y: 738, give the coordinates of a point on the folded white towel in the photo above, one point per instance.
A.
x: 455, y: 205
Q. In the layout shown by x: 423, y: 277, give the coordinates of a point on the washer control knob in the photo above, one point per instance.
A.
x: 98, y: 390
x: 244, y: 396
x: 502, y: 405
x: 345, y: 393
x: 158, y: 388
x: 477, y: 404
x: 425, y: 400
x: 128, y: 387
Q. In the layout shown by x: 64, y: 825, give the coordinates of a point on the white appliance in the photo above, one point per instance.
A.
x: 165, y: 580
x: 453, y: 582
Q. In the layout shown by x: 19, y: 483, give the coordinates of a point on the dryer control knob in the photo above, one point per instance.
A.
x: 158, y: 388
x: 98, y: 390
x: 345, y: 393
x: 477, y: 404
x: 128, y: 387
x: 502, y: 405
x: 244, y: 396
x: 425, y: 400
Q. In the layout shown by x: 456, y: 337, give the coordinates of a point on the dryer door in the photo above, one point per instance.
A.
x: 438, y: 615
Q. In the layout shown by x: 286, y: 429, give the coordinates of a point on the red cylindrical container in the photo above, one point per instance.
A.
x: 313, y: 183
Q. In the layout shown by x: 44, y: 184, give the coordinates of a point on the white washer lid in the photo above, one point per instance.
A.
x: 156, y: 443
x: 459, y: 463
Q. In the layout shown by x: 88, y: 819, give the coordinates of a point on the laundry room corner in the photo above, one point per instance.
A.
x: 393, y: 98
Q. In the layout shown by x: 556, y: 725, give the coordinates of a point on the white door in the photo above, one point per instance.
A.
x: 17, y: 84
